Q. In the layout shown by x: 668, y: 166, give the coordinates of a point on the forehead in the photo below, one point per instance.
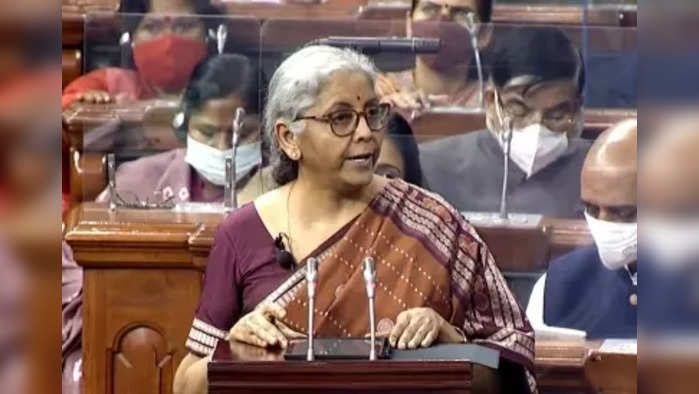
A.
x: 609, y: 186
x: 171, y: 6
x: 543, y: 94
x: 351, y: 87
x: 220, y: 108
x: 453, y: 3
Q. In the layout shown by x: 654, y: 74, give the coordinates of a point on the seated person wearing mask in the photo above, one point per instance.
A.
x: 535, y: 90
x: 593, y: 288
x: 218, y: 86
x: 166, y: 48
x: 449, y: 77
x: 165, y: 51
x: 399, y: 156
x: 437, y: 280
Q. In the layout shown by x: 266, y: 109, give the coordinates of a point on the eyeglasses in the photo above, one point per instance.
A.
x: 430, y: 10
x: 345, y: 121
x: 559, y: 118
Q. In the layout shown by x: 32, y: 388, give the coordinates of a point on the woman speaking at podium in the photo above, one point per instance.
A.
x: 436, y: 280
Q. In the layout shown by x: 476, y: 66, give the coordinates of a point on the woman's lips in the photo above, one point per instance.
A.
x: 363, y: 160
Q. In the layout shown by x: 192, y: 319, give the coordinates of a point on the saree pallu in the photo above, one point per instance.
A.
x: 426, y: 255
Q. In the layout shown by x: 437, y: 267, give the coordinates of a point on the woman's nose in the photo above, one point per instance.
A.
x: 363, y: 131
x: 445, y: 12
x: 537, y: 118
x: 223, y: 140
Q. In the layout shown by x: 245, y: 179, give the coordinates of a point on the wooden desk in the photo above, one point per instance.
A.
x: 561, y: 367
x: 433, y: 125
x: 580, y: 367
x: 239, y: 368
x: 142, y: 282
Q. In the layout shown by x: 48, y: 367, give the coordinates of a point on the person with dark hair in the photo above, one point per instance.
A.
x: 219, y: 86
x: 534, y: 95
x: 400, y: 157
x: 327, y: 126
x: 447, y: 78
x: 166, y: 42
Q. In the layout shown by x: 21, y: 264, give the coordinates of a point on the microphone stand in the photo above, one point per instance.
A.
x: 311, y: 282
x: 230, y: 197
x: 111, y: 174
x: 506, y: 137
x: 370, y: 281
x: 473, y: 29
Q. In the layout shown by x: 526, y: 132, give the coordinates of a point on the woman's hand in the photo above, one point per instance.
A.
x: 95, y: 97
x: 263, y: 327
x: 420, y: 327
x: 389, y: 89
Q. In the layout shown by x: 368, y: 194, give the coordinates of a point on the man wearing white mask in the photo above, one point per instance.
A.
x: 217, y: 88
x: 594, y: 288
x: 537, y: 77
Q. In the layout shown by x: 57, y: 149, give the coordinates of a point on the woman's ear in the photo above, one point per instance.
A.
x: 287, y: 140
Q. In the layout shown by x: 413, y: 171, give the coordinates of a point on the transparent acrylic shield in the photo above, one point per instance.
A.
x: 172, y: 81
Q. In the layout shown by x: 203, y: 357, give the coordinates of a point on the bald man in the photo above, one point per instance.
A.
x: 669, y: 192
x: 593, y: 289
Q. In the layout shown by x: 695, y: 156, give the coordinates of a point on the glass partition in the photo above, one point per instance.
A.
x: 177, y: 94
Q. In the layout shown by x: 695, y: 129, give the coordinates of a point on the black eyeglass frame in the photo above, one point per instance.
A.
x: 327, y: 118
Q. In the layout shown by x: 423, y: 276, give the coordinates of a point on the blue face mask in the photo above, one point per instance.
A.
x: 247, y: 156
x: 210, y: 162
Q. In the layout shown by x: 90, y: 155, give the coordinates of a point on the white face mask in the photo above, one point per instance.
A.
x: 673, y: 244
x: 535, y: 147
x: 210, y: 162
x: 616, y: 242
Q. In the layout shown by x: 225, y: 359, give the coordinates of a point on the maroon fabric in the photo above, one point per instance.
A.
x: 242, y: 269
x: 196, y: 187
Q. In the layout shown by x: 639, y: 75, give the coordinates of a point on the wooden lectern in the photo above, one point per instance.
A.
x: 239, y: 368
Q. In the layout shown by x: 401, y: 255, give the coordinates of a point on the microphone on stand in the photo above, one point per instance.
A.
x: 311, y: 282
x: 507, y: 143
x: 370, y: 282
x: 382, y: 44
x: 111, y: 173
x: 474, y: 28
x: 230, y: 197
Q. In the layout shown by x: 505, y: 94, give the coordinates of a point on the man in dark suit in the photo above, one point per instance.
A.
x: 594, y: 288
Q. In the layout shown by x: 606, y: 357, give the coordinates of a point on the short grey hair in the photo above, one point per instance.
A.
x: 295, y: 87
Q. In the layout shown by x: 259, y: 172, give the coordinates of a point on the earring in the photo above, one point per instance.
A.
x: 295, y: 155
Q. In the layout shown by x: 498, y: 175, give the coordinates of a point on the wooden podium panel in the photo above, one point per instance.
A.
x: 141, y: 287
x: 142, y: 282
x: 237, y: 368
x: 582, y: 368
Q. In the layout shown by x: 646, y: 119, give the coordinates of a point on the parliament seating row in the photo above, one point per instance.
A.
x: 601, y: 18
x: 146, y: 128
